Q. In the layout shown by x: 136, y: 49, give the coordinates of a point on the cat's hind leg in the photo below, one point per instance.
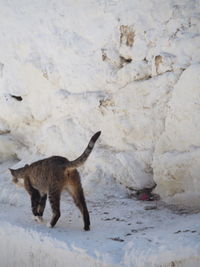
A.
x: 80, y: 202
x: 76, y: 191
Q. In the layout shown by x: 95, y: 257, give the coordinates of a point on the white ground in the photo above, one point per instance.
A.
x: 123, y: 232
x: 128, y: 68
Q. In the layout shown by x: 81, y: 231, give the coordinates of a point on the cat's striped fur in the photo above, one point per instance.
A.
x: 50, y: 177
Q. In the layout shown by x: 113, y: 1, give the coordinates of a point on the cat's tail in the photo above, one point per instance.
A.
x: 81, y: 160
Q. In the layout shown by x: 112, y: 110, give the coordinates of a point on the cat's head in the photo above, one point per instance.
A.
x: 14, y: 174
x: 18, y: 173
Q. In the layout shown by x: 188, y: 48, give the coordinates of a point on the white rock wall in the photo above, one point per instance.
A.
x: 128, y: 68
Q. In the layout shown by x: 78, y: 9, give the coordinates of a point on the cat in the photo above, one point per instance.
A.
x: 50, y: 177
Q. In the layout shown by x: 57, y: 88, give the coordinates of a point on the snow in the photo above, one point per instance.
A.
x: 132, y: 70
x: 177, y: 152
x: 124, y: 232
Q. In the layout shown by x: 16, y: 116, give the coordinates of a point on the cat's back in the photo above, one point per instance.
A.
x: 49, y: 164
x: 57, y: 160
x: 43, y: 173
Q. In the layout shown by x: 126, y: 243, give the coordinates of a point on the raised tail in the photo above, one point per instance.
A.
x: 81, y: 160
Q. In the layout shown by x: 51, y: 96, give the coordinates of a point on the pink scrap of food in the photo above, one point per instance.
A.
x: 143, y: 196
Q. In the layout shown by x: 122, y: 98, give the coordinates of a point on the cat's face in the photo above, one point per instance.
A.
x: 14, y: 174
x: 18, y: 173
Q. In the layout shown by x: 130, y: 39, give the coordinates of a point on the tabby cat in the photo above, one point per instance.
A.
x: 50, y: 177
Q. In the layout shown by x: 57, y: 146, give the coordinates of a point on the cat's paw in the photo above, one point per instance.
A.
x: 38, y: 218
x: 49, y: 225
x: 87, y: 228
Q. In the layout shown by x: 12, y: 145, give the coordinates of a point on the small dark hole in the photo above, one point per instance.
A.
x: 18, y: 98
x: 129, y: 60
x: 125, y: 60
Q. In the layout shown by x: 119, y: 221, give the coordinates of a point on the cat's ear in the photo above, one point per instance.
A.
x: 12, y: 171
